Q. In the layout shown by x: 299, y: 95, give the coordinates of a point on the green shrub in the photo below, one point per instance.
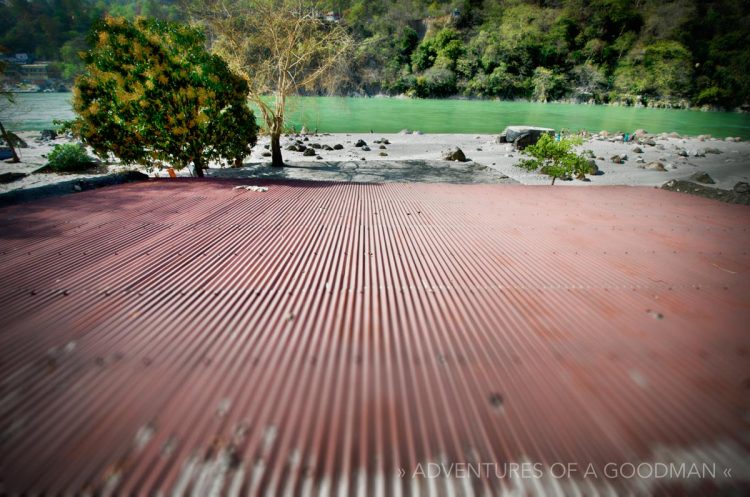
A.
x: 69, y: 158
x: 555, y: 158
x: 151, y: 94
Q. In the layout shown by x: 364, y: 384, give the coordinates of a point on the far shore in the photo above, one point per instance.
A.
x: 726, y: 162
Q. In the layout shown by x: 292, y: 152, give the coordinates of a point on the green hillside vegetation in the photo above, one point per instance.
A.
x: 650, y: 52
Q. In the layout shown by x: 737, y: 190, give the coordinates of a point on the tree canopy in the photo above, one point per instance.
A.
x: 152, y: 94
x: 669, y: 52
x: 282, y: 47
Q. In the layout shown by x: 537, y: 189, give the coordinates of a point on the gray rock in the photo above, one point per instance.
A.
x: 365, y: 148
x: 742, y: 187
x: 682, y: 153
x: 383, y: 147
x: 404, y: 132
x: 523, y: 136
x: 650, y: 142
x: 383, y: 154
x: 48, y: 134
x: 316, y: 145
x: 637, y: 150
x: 593, y: 168
x: 455, y: 154
x: 360, y: 143
x: 655, y: 166
x: 702, y: 177
x: 309, y: 152
x: 618, y: 159
x: 266, y: 154
x: 327, y: 147
x: 338, y: 146
x: 711, y: 150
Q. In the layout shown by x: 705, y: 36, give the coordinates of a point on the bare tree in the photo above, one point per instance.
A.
x: 282, y: 47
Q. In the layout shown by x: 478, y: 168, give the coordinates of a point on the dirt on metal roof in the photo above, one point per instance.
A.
x: 189, y: 338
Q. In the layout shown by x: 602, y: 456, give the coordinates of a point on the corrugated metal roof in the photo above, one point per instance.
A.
x: 186, y: 338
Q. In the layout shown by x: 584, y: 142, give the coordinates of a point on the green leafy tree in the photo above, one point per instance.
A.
x: 555, y: 158
x: 152, y: 94
x: 548, y: 85
x: 662, y: 69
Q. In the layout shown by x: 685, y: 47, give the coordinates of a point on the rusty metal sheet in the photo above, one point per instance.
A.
x: 186, y: 338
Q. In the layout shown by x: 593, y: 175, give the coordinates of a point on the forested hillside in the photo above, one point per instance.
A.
x: 650, y: 52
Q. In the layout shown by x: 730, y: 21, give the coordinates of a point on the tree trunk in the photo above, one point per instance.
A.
x: 10, y: 143
x: 276, y: 159
x: 198, y: 167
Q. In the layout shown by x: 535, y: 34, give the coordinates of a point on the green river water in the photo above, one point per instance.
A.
x: 36, y: 111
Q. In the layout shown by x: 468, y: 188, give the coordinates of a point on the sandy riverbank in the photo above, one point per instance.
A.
x: 727, y: 162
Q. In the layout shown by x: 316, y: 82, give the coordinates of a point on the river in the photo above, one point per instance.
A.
x: 36, y: 111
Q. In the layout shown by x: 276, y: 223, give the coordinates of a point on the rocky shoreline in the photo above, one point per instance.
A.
x: 645, y: 159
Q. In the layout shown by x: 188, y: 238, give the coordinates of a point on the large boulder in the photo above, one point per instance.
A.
x: 523, y: 136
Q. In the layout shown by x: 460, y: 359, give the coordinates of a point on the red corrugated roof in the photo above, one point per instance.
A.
x: 186, y: 338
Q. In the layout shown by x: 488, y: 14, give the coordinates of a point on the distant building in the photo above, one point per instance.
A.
x: 35, y: 73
